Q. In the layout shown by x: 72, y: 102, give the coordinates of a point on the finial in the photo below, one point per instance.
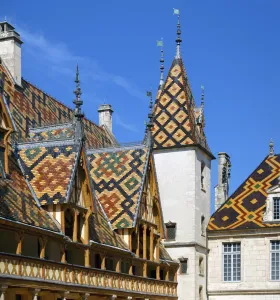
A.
x: 178, y: 40
x: 150, y: 115
x: 78, y: 102
x: 271, y: 148
x: 160, y: 44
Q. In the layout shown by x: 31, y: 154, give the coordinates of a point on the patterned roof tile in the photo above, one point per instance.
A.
x: 117, y: 178
x: 245, y: 208
x: 174, y: 112
x: 49, y: 169
x: 17, y: 202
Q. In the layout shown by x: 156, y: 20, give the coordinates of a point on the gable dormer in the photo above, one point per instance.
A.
x: 272, y: 212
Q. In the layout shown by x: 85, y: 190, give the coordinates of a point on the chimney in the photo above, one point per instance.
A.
x: 105, y: 112
x: 222, y: 188
x: 10, y: 50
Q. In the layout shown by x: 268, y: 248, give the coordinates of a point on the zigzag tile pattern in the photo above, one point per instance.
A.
x: 174, y: 116
x: 245, y: 208
x: 118, y: 176
x: 17, y: 202
x: 49, y: 170
x: 31, y: 107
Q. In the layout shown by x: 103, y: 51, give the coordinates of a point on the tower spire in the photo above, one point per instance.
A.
x: 271, y: 148
x: 150, y: 123
x: 178, y: 40
x: 161, y: 81
x: 202, y: 105
x: 78, y: 102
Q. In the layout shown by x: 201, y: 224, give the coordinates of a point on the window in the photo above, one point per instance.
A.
x: 200, y: 293
x: 275, y: 260
x: 202, y: 224
x: 201, y: 266
x: 170, y: 231
x: 202, y: 175
x: 276, y: 208
x: 231, y: 261
x: 183, y: 265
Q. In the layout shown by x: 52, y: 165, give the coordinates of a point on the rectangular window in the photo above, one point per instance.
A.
x: 183, y: 266
x: 170, y: 231
x: 276, y: 208
x: 231, y: 261
x: 275, y: 260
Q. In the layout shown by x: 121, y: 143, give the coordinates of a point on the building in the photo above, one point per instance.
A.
x: 244, y: 237
x: 183, y: 166
x: 80, y: 215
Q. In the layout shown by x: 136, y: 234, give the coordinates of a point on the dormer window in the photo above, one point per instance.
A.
x: 276, y: 209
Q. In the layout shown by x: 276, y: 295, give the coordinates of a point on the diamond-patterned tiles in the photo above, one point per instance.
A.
x: 117, y: 176
x: 33, y: 108
x: 49, y: 170
x: 173, y: 111
x: 245, y: 208
x: 17, y: 202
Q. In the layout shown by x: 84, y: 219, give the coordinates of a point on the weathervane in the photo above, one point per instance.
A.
x: 178, y: 40
x: 160, y: 44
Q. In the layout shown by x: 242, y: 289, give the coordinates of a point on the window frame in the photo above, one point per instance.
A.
x: 231, y: 253
x: 173, y: 226
x: 270, y: 261
x: 278, y: 212
x: 183, y: 260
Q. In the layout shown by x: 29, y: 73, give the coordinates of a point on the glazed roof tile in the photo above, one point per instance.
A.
x: 174, y: 112
x: 17, y: 202
x: 118, y: 178
x: 31, y: 107
x: 50, y: 169
x: 246, y: 206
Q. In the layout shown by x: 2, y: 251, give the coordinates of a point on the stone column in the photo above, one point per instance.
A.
x: 35, y: 293
x: 145, y: 241
x: 85, y: 296
x: 87, y: 258
x: 64, y: 295
x: 3, y: 290
x: 138, y: 243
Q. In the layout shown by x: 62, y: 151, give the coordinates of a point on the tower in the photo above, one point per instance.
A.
x: 10, y: 50
x: 183, y: 164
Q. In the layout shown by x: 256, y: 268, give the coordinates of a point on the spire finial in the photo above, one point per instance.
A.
x: 271, y: 148
x: 160, y: 44
x: 150, y: 115
x: 178, y: 40
x: 78, y: 102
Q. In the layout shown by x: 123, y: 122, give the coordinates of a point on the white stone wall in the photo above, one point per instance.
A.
x: 255, y: 268
x: 10, y: 52
x: 184, y: 202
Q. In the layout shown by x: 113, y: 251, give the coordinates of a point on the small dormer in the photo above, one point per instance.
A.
x: 272, y: 212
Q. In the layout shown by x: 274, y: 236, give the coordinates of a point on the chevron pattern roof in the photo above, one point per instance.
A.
x: 245, y: 208
x: 118, y: 177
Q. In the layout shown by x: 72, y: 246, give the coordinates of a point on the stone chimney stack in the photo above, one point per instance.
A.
x: 10, y: 50
x: 222, y: 188
x: 105, y: 112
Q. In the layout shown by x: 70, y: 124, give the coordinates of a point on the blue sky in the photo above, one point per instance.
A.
x: 231, y: 47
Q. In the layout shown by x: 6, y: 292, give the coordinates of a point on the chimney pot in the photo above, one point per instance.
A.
x: 105, y: 112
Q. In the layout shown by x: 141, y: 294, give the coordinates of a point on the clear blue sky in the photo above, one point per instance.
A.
x: 232, y: 47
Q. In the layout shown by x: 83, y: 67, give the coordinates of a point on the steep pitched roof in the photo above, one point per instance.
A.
x: 118, y: 177
x: 50, y: 168
x: 17, y: 202
x: 101, y: 232
x: 32, y: 107
x: 246, y: 206
x: 174, y: 115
